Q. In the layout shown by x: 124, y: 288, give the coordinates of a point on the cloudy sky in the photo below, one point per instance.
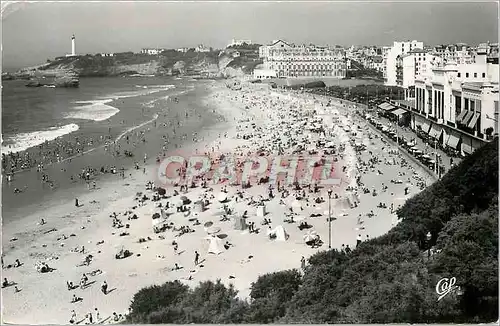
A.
x: 34, y: 32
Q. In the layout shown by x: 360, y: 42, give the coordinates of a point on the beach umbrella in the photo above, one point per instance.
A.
x: 179, y: 203
x: 300, y: 218
x: 222, y: 197
x: 213, y: 230
x: 344, y: 138
x: 310, y: 236
x: 296, y: 206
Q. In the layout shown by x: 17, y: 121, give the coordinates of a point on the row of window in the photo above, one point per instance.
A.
x: 483, y: 75
x: 436, y: 107
x: 307, y: 67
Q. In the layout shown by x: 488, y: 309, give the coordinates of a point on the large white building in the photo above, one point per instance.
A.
x: 391, y: 57
x: 201, y: 48
x: 457, y: 104
x: 458, y: 53
x: 412, y: 65
x: 149, y: 51
x: 238, y: 42
x: 289, y: 60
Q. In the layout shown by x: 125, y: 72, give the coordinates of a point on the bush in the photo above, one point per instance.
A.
x: 155, y: 297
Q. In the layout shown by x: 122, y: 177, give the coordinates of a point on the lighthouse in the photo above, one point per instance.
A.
x: 73, y: 51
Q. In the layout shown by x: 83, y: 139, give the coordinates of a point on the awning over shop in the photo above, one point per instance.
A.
x: 399, y: 112
x: 469, y: 115
x: 453, y: 140
x: 386, y: 107
x: 436, y: 131
x: 473, y: 121
x: 461, y: 116
x: 425, y: 126
x: 467, y: 148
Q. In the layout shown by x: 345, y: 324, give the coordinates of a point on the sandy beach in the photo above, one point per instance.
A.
x: 372, y: 172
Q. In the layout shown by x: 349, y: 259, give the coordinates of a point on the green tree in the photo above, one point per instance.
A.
x: 153, y: 298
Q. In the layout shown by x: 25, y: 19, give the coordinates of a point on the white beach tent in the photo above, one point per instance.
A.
x: 214, y: 245
x: 279, y: 232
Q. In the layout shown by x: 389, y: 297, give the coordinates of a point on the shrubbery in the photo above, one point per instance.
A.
x: 389, y: 279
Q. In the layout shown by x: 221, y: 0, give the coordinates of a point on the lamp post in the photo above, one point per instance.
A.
x: 428, y: 237
x: 436, y: 157
x: 329, y: 219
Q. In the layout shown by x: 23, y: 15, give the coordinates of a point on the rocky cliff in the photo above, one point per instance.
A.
x: 226, y: 63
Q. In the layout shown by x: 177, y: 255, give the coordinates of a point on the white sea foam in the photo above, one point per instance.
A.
x: 96, y: 110
x: 23, y: 141
x: 146, y: 90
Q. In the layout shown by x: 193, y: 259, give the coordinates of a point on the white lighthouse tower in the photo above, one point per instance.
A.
x: 73, y: 50
x: 73, y: 47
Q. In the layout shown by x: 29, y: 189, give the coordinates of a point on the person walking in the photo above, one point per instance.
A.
x: 196, y: 258
x: 97, y: 315
x: 104, y: 287
x: 73, y: 317
x: 303, y: 263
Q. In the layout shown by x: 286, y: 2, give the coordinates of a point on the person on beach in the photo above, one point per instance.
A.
x: 97, y: 315
x: 358, y: 240
x: 104, y: 287
x: 303, y: 263
x: 196, y: 258
x: 77, y: 204
x: 347, y: 249
x: 73, y: 317
x: 89, y: 316
x: 83, y: 281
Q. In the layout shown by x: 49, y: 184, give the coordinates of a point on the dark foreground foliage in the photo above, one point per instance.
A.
x: 389, y: 279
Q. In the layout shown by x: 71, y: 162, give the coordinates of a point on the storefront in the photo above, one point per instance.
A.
x: 470, y: 144
x: 417, y: 121
x: 453, y: 140
x: 436, y: 131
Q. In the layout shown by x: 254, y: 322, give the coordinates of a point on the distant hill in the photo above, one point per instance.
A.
x: 225, y: 63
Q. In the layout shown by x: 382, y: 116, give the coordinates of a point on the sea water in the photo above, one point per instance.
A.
x: 100, y: 107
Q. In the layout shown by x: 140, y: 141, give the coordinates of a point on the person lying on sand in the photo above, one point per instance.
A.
x: 227, y: 245
x: 176, y: 267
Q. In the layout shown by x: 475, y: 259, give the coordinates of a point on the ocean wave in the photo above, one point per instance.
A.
x: 141, y: 75
x: 146, y: 90
x: 96, y: 110
x: 23, y: 141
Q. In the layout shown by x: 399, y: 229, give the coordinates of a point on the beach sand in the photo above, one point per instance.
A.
x: 44, y: 297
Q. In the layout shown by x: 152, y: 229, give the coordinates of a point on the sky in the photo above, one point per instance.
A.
x: 35, y: 32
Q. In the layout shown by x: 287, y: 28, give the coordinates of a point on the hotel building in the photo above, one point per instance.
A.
x: 390, y: 57
x: 288, y: 60
x: 411, y: 66
x: 457, y: 104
